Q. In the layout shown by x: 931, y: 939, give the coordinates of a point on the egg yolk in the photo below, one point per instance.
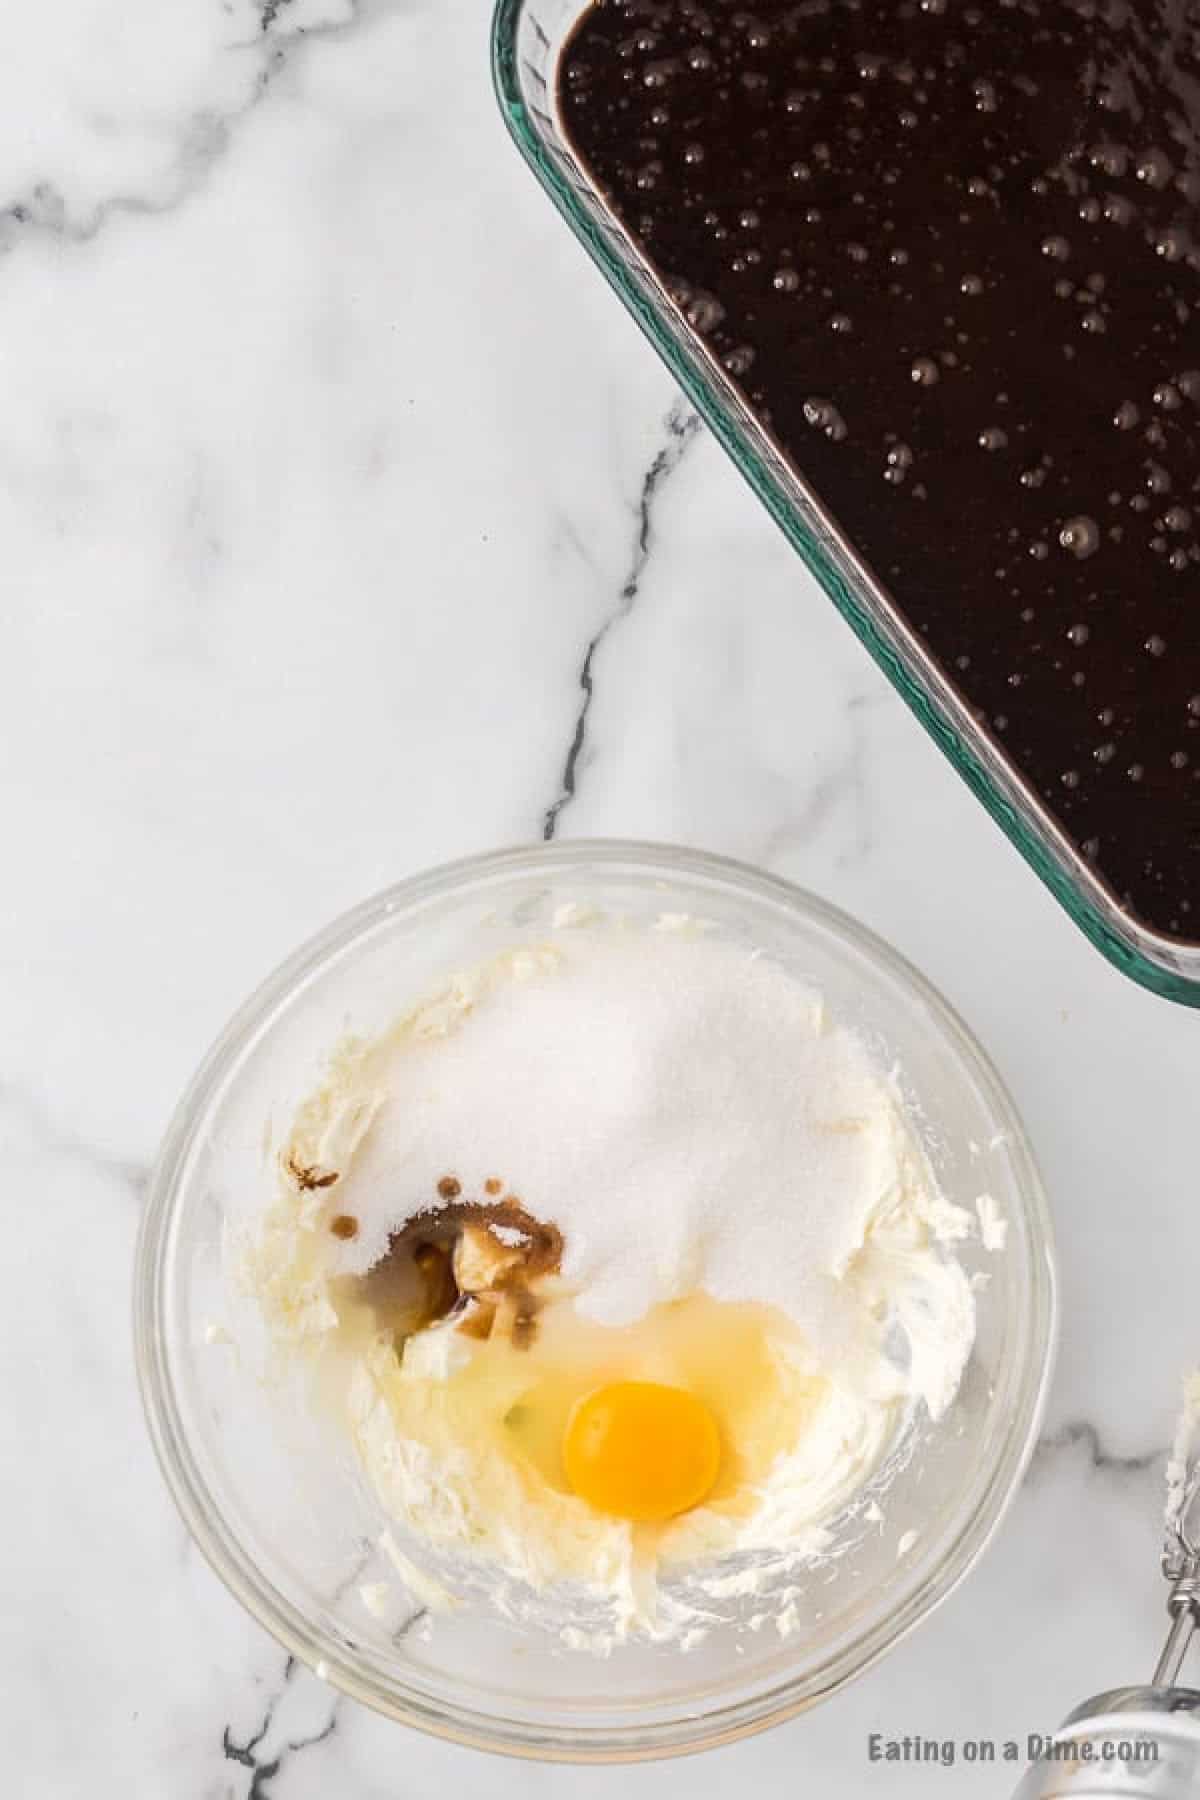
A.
x: 641, y: 1450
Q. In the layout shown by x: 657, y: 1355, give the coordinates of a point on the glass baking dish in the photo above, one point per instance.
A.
x: 527, y: 38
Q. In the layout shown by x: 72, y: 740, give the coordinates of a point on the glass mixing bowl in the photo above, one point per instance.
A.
x: 271, y: 1494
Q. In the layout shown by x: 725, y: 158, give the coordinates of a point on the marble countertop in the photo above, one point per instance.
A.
x: 350, y: 526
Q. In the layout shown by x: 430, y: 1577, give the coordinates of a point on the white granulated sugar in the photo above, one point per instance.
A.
x: 683, y: 1110
x: 511, y: 1236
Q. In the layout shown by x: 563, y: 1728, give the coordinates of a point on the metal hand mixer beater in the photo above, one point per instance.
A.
x: 1140, y: 1743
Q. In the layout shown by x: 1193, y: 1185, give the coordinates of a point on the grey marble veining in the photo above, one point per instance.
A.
x: 350, y: 526
x: 681, y: 426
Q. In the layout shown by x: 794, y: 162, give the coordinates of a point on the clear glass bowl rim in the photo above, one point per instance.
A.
x: 1156, y: 961
x: 186, y: 1480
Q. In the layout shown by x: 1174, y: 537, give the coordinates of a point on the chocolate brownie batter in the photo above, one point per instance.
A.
x: 951, y: 254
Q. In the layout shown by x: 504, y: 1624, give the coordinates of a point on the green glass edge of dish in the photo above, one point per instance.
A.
x: 692, y: 379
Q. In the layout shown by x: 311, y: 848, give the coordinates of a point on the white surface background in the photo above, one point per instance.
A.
x: 322, y: 458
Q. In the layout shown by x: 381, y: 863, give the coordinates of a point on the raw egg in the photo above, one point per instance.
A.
x: 688, y: 1407
x: 641, y: 1450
